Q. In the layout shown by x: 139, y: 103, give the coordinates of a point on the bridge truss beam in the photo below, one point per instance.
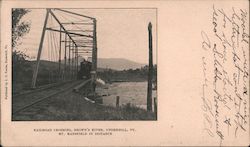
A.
x: 75, y: 43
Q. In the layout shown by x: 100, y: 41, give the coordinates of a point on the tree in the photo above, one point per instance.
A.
x: 19, y: 28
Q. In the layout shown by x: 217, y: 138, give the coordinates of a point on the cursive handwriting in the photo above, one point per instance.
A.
x: 225, y: 66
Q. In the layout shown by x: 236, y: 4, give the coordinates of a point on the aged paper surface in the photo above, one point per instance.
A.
x: 202, y: 53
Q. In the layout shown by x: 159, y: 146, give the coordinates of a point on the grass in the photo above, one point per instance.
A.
x: 74, y: 107
x: 99, y: 112
x: 126, y: 112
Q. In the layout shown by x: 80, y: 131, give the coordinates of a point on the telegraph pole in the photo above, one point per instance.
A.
x: 150, y: 69
x: 34, y: 78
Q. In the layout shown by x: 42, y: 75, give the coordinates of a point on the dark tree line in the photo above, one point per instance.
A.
x: 20, y: 66
x: 130, y: 75
x: 19, y: 28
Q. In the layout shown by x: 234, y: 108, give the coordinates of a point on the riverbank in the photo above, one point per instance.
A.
x: 134, y: 93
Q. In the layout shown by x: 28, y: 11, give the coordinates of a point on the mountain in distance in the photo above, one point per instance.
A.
x: 118, y: 63
x: 102, y: 63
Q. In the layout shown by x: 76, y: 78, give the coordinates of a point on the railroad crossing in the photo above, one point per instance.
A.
x: 77, y: 37
x: 67, y: 40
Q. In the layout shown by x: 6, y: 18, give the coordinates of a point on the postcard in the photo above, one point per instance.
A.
x: 124, y: 73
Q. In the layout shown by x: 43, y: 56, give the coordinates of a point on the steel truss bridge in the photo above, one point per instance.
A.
x: 68, y: 38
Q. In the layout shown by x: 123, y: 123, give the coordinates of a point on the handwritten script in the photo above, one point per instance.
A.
x: 225, y: 67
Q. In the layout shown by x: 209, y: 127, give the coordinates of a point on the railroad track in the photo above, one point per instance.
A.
x: 41, y: 88
x: 27, y: 100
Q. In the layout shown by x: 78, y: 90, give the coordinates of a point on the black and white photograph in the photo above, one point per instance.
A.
x: 124, y: 73
x: 84, y: 64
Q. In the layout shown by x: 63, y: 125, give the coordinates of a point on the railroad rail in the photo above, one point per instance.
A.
x: 41, y: 88
x: 25, y: 101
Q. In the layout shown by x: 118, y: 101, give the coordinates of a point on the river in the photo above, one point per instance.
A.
x: 134, y: 93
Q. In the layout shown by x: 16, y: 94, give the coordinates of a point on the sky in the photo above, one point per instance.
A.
x: 121, y: 33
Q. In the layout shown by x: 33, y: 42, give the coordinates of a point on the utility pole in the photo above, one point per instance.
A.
x: 150, y: 69
x: 34, y: 78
